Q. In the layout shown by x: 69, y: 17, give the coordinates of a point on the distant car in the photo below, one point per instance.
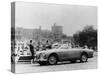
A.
x: 63, y: 53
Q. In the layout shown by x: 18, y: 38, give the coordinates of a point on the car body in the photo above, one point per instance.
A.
x: 63, y: 53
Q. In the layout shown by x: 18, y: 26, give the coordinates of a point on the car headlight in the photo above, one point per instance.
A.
x: 43, y: 55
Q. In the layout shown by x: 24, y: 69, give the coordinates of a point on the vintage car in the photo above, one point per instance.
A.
x: 62, y: 53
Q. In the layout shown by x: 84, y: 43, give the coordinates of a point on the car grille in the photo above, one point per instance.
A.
x: 37, y: 56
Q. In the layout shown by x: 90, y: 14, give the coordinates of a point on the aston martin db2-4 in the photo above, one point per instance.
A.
x: 63, y: 53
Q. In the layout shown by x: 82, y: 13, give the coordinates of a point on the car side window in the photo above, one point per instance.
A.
x: 64, y: 47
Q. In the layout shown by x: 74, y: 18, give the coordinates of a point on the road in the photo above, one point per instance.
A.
x: 26, y: 68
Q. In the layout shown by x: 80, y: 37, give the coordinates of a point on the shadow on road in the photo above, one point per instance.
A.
x: 61, y: 63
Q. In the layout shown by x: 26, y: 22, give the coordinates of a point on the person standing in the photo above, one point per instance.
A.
x: 31, y: 50
x: 48, y: 45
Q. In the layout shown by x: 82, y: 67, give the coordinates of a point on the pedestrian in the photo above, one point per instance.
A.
x: 48, y: 45
x: 31, y: 50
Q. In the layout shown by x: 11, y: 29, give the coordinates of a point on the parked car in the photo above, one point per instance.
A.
x: 63, y: 53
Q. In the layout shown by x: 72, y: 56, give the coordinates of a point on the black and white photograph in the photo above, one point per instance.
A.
x: 48, y: 37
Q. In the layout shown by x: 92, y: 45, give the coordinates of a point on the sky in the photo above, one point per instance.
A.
x: 72, y: 17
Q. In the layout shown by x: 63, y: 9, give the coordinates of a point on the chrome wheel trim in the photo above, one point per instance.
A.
x: 52, y: 60
x: 84, y: 58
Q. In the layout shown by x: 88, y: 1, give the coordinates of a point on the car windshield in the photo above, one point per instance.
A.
x: 64, y: 46
x: 56, y: 47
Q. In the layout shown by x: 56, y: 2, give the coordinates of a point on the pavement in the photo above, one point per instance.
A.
x: 62, y: 66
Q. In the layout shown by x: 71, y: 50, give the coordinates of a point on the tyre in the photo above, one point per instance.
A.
x: 52, y: 60
x: 84, y: 58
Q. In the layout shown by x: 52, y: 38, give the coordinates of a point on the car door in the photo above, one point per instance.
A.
x: 66, y: 53
x: 63, y: 53
x: 73, y: 53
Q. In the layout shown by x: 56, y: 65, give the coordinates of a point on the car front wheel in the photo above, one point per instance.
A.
x: 83, y: 58
x: 52, y: 60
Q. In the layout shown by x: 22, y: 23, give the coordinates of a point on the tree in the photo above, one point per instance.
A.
x: 76, y: 38
x: 64, y: 36
x: 88, y: 36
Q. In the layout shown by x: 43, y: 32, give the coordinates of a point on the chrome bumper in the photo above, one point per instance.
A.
x: 40, y: 59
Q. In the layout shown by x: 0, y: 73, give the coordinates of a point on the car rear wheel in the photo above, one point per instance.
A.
x: 52, y: 60
x: 83, y: 58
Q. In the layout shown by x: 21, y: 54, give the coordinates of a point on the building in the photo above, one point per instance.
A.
x: 57, y: 29
x: 57, y: 32
x: 34, y: 34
